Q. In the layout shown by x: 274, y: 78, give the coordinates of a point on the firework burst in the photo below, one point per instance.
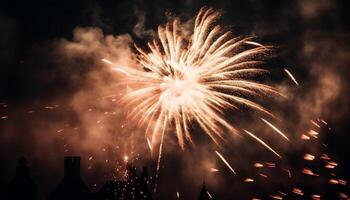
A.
x: 194, y: 79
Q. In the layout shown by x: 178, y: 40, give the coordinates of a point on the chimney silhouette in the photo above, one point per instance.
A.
x: 71, y: 187
x: 22, y: 187
x: 72, y: 167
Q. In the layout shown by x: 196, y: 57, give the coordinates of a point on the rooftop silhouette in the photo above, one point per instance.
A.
x: 134, y: 186
x: 22, y: 186
x: 71, y: 187
x: 204, y: 194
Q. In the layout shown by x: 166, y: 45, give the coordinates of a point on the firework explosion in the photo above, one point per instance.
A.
x: 194, y: 79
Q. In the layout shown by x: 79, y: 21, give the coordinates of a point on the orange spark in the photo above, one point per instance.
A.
x: 305, y: 137
x: 315, y: 197
x: 313, y: 133
x: 258, y: 165
x: 309, y: 157
x: 308, y: 171
x: 214, y: 170
x: 248, y: 180
x: 298, y: 191
x: 276, y: 197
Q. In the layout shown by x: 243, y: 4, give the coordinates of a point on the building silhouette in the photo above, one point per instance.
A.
x: 71, y: 187
x: 204, y: 194
x: 134, y: 187
x: 22, y: 187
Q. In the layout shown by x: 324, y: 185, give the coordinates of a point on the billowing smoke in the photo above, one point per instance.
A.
x: 75, y: 110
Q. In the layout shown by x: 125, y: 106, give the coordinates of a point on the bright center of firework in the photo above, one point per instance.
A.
x: 178, y: 91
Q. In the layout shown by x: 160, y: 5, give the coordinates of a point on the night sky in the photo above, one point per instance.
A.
x: 57, y: 98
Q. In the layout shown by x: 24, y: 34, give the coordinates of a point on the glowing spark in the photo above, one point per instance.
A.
x: 315, y: 197
x: 342, y: 182
x: 254, y: 43
x: 178, y: 195
x: 214, y: 170
x: 314, y: 123
x: 248, y: 180
x: 308, y: 171
x: 305, y: 137
x: 209, y: 195
x: 193, y: 79
x: 126, y: 159
x: 325, y: 157
x: 292, y: 77
x: 309, y: 157
x: 262, y: 142
x: 297, y: 191
x: 263, y: 175
x: 333, y: 181
x: 313, y: 133
x: 276, y: 197
x: 275, y: 128
x: 270, y: 165
x: 258, y: 165
x: 328, y: 166
x: 331, y: 165
x: 226, y: 163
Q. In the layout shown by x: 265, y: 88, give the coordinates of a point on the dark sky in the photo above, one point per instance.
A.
x: 47, y: 90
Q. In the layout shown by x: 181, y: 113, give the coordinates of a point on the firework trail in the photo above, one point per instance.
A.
x: 226, y: 163
x: 291, y: 76
x: 275, y: 128
x: 160, y: 154
x: 262, y: 142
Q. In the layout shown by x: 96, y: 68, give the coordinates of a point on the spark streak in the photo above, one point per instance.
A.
x: 214, y: 170
x: 262, y: 142
x: 254, y: 43
x: 226, y: 163
x: 275, y: 128
x: 291, y: 76
x: 117, y: 67
x: 150, y: 146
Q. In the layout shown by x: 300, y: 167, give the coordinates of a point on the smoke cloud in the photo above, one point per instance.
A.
x: 73, y: 107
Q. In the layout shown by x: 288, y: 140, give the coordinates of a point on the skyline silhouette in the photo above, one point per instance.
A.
x: 134, y: 186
